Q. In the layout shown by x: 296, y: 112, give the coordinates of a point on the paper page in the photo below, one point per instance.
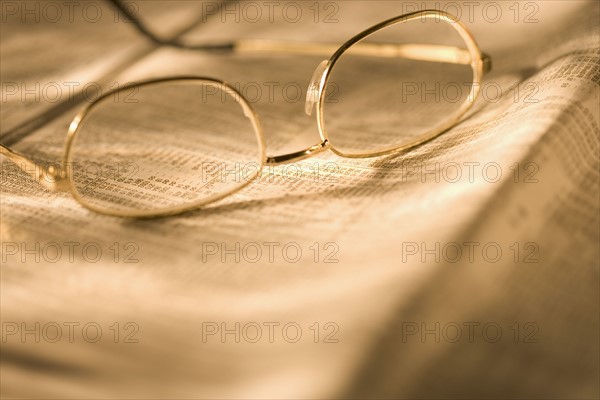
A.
x: 344, y: 247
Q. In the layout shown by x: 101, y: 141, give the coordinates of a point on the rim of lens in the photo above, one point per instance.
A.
x: 76, y: 124
x: 476, y: 66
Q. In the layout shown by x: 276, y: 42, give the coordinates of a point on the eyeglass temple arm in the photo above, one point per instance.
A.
x: 420, y: 52
x: 50, y: 177
x: 129, y: 13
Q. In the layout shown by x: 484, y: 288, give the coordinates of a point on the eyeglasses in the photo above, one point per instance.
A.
x: 184, y: 142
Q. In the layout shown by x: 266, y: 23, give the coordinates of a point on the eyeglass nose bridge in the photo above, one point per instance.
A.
x: 313, y: 93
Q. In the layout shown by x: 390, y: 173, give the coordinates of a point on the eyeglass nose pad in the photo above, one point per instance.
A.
x: 313, y: 95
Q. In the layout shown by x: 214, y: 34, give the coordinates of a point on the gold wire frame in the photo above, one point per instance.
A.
x: 76, y: 124
x: 419, y: 52
x: 479, y: 62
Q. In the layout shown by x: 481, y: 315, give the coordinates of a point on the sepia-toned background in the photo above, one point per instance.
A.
x: 467, y: 267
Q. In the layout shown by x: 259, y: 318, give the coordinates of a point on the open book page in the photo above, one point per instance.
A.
x: 343, y: 265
